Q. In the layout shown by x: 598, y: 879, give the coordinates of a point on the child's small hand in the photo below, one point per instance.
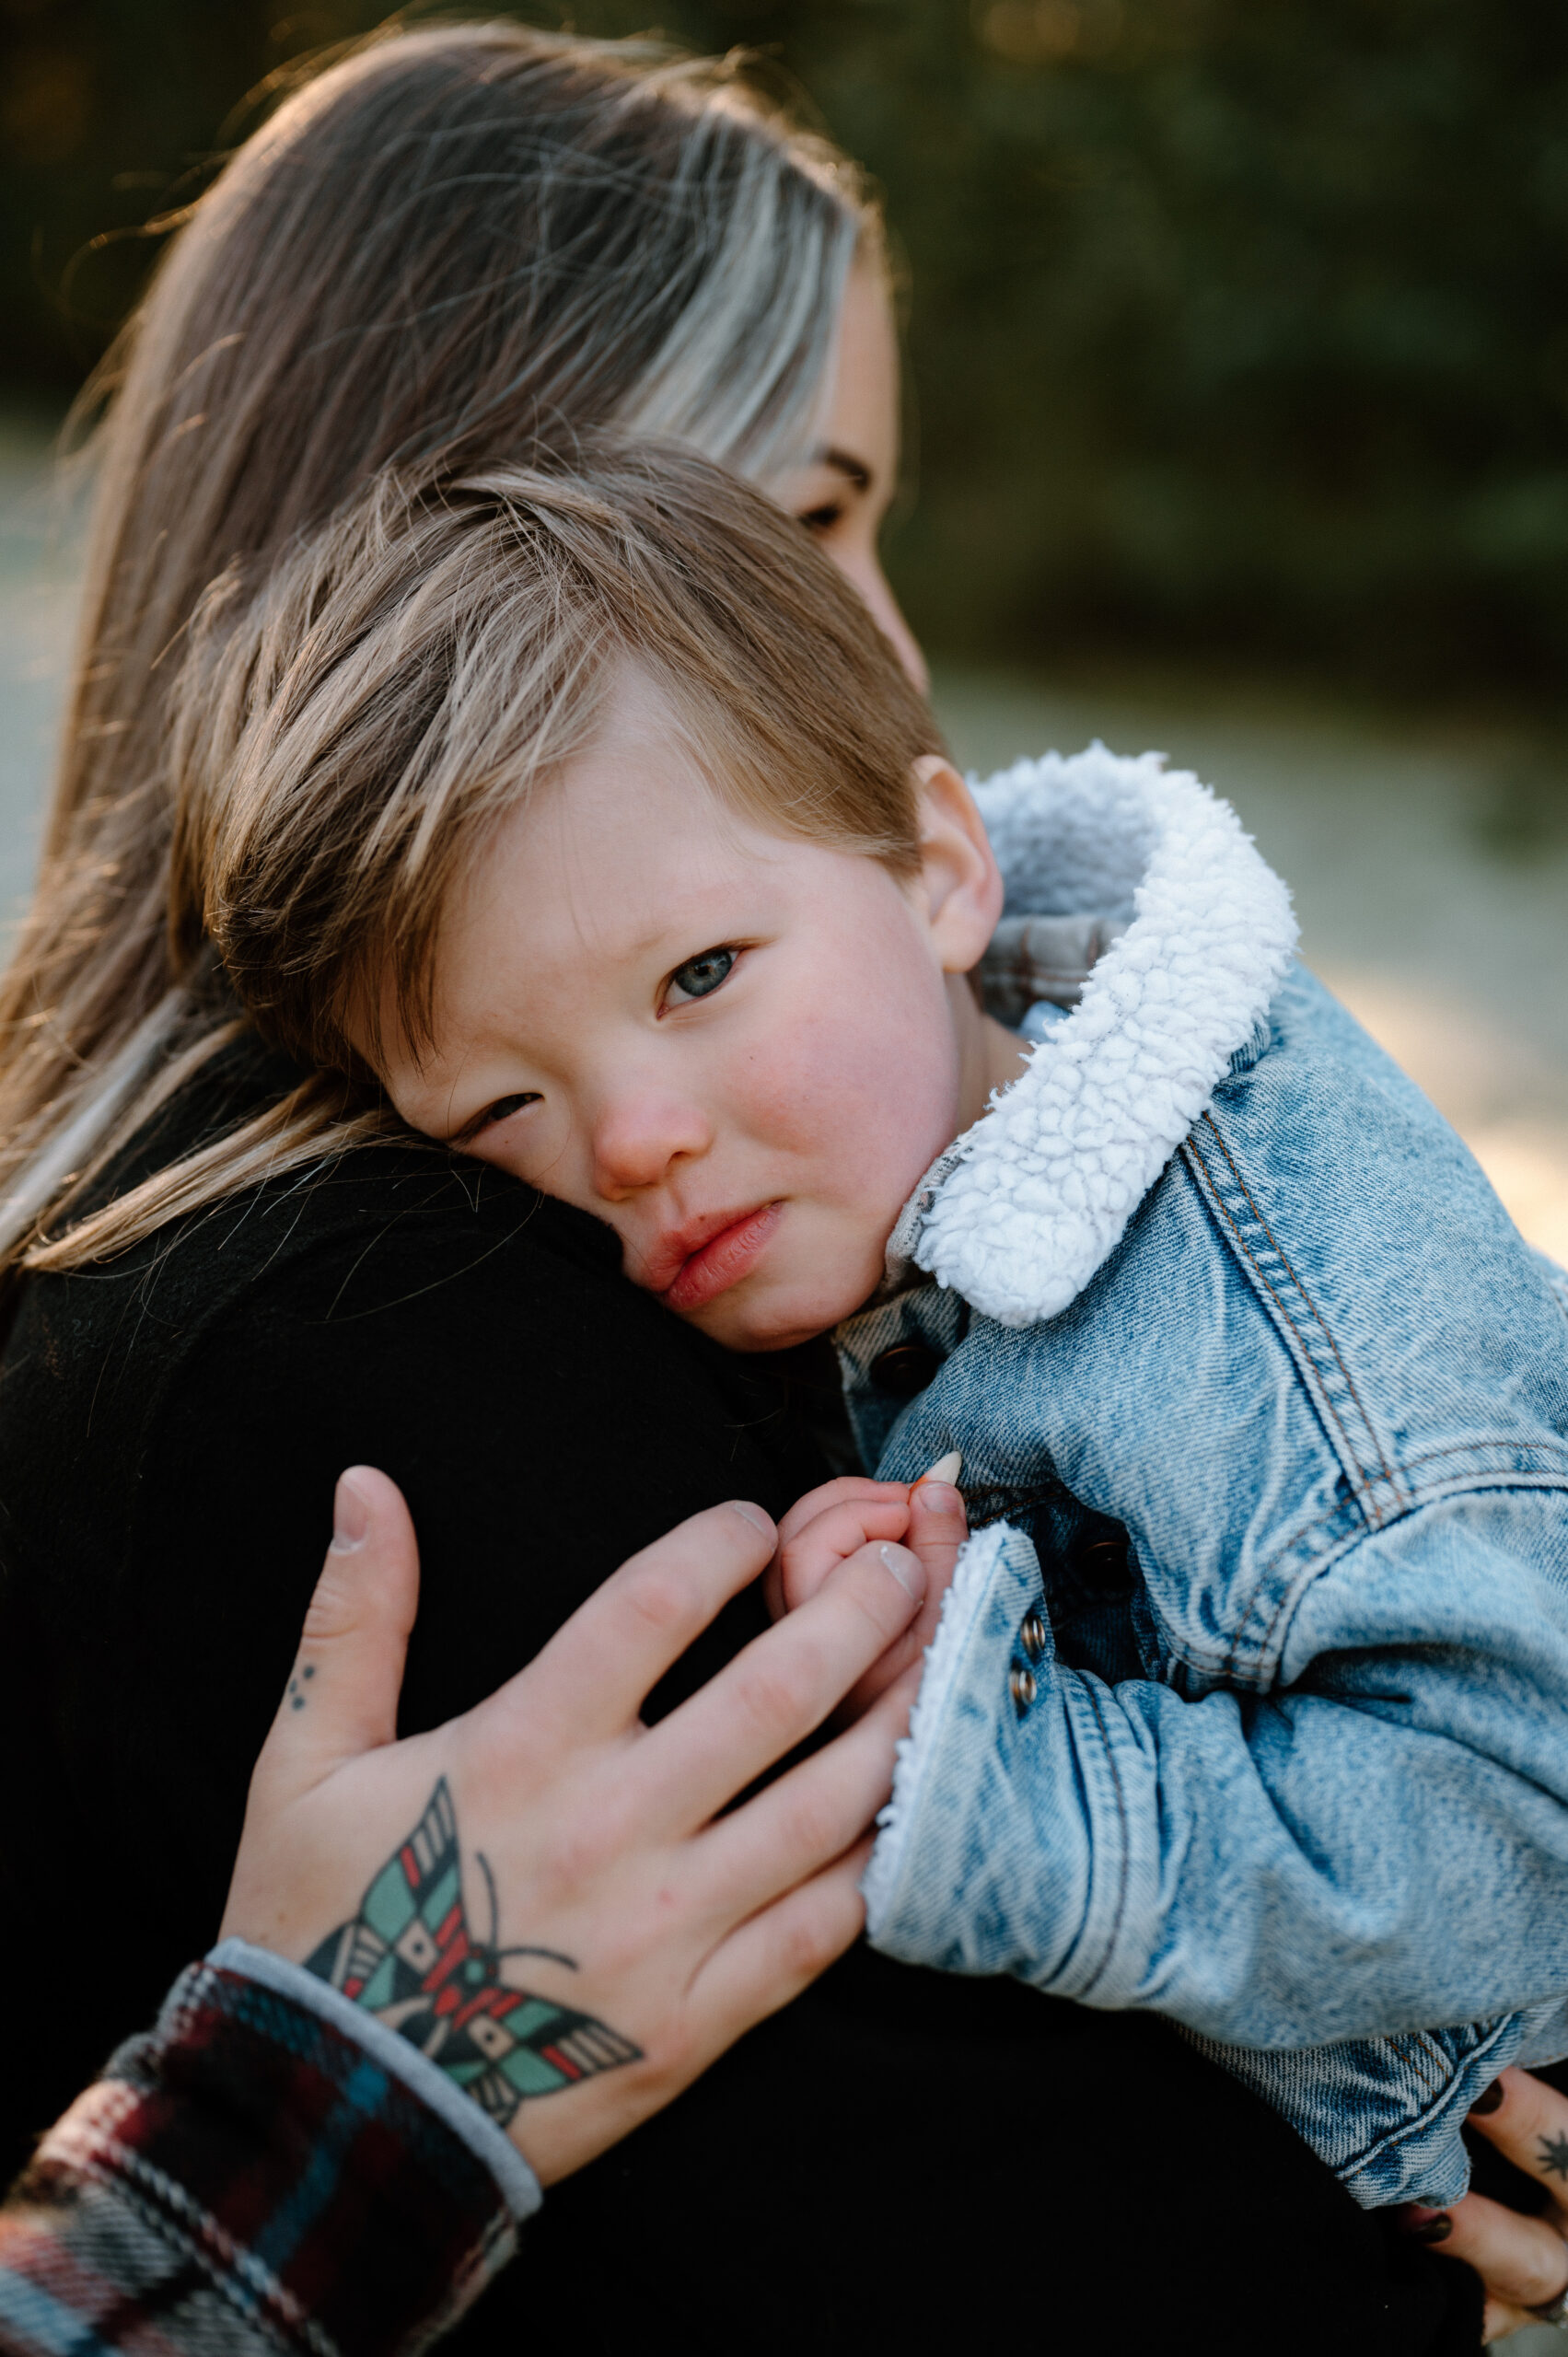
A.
x: 823, y: 1528
x: 827, y: 1526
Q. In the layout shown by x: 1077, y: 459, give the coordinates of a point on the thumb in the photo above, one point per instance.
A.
x: 342, y: 1697
x: 938, y: 1528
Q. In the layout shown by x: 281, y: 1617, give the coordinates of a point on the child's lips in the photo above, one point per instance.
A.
x: 722, y: 1260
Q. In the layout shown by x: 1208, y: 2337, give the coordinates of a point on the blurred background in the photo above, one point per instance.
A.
x: 1238, y: 335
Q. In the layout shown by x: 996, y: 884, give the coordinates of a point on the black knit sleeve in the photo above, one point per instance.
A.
x: 544, y: 1419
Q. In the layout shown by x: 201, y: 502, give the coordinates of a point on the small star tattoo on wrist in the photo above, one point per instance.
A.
x: 1555, y: 2156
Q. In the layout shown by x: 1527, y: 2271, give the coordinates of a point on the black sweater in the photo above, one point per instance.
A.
x: 899, y: 2161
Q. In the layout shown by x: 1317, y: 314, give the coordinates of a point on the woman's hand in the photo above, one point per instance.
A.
x: 827, y: 1526
x: 548, y: 1843
x: 1522, y: 2261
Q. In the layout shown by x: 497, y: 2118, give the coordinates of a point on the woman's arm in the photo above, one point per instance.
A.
x: 296, y: 2152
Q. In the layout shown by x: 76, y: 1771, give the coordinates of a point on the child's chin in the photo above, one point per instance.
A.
x: 763, y: 1325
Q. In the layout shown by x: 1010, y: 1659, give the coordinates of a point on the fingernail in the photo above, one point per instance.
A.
x: 755, y: 1516
x: 1435, y: 2229
x: 947, y: 1468
x: 351, y: 1516
x: 939, y: 1496
x: 1489, y: 2100
x: 907, y: 1569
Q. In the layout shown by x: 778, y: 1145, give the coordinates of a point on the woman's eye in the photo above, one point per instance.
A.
x: 822, y: 519
x: 700, y: 976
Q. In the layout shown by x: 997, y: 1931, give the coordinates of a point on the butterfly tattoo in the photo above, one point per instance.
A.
x: 410, y: 1957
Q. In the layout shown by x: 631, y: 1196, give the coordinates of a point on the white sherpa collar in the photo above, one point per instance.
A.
x: 1027, y: 1205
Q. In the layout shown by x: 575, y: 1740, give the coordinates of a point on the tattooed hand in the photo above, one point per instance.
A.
x: 824, y: 1527
x: 1522, y: 2261
x: 543, y: 1894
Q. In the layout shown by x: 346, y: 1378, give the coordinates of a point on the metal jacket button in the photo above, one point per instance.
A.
x: 904, y: 1368
x: 1032, y: 1635
x: 1022, y: 1682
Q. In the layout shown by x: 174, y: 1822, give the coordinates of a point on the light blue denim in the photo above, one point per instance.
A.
x: 1283, y: 1754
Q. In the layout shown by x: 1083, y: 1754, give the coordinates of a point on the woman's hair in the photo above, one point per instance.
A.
x: 455, y: 244
x: 345, y: 743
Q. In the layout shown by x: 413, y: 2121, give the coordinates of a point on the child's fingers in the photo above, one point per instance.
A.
x: 850, y: 1489
x: 817, y: 1550
x: 1522, y: 2261
x: 938, y: 1526
x: 341, y: 1698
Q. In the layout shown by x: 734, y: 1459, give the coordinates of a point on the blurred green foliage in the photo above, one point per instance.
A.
x: 1238, y: 326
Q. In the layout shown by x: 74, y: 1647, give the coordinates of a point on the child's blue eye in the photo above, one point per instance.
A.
x: 702, y: 975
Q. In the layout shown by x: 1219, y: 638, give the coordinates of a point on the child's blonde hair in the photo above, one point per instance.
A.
x: 452, y: 245
x: 346, y: 743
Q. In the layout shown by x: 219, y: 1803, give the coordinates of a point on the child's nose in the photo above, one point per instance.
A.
x: 636, y: 1140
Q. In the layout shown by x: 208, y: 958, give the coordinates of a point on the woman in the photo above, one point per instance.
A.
x: 454, y: 242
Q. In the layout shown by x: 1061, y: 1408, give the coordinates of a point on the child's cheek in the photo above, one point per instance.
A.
x: 860, y: 1102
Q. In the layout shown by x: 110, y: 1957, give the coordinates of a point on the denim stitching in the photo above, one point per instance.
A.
x: 1423, y: 2047
x: 1115, y: 1932
x: 1227, y: 1662
x: 1313, y: 1571
x: 1389, y: 1473
x: 1408, y: 2128
x: 1316, y: 1315
x: 1495, y: 1440
x: 1196, y: 1657
x: 1226, y: 1212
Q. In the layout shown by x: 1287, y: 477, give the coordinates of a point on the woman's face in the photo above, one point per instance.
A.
x: 844, y: 492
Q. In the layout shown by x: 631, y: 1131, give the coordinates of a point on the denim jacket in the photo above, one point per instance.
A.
x: 1250, y: 1702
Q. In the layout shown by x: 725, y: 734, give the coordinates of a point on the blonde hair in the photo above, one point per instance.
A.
x: 346, y: 743
x: 455, y: 244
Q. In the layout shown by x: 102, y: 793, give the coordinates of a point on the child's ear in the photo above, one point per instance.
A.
x: 960, y: 878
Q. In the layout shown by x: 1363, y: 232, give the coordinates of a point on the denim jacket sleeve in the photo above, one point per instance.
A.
x: 1324, y: 1389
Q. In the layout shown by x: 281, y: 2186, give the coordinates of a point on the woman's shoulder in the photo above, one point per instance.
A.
x: 401, y: 1241
x: 394, y: 1305
x: 370, y: 1207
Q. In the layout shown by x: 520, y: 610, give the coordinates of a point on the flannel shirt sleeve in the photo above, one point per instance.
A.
x: 248, y: 2177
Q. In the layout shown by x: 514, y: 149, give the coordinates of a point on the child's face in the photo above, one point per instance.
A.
x: 740, y: 1049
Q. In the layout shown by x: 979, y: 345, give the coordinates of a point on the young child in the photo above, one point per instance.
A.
x: 589, y: 816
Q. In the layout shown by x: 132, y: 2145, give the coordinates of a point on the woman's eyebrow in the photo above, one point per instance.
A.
x: 854, y: 470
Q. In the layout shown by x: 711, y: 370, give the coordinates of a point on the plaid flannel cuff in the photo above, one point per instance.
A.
x: 255, y: 2152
